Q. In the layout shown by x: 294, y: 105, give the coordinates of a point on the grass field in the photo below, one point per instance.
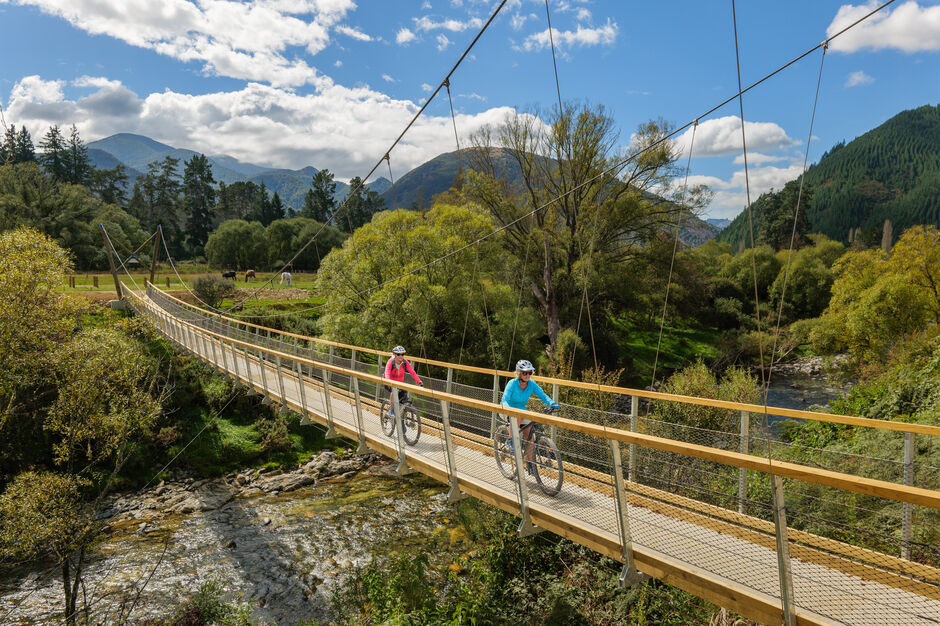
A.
x: 103, y: 281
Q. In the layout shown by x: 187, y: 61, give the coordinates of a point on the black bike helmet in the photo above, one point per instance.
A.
x: 398, y: 350
x: 524, y: 366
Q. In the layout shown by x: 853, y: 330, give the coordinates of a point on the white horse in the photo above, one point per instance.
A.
x: 287, y: 279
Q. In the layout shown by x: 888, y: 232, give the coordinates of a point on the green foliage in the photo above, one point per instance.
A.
x: 41, y: 515
x: 809, y: 283
x: 428, y: 309
x: 237, y: 244
x: 198, y: 200
x: 207, y: 607
x: 319, y: 203
x: 212, y: 289
x: 698, y: 380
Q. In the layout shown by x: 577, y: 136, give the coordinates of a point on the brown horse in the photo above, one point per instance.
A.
x: 249, y: 274
x: 229, y: 274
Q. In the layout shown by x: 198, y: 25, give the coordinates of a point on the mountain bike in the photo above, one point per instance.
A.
x: 546, y: 462
x: 410, y: 419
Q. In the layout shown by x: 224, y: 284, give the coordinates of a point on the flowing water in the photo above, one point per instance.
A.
x: 283, y: 554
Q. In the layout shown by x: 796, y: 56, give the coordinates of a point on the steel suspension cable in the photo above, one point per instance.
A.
x: 551, y: 39
x: 796, y: 213
x: 672, y: 262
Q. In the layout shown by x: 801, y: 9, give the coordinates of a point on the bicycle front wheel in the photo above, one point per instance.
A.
x: 412, y: 425
x: 502, y: 450
x: 388, y: 422
x: 549, y: 472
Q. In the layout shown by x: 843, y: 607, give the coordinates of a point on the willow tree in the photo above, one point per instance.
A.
x: 576, y: 208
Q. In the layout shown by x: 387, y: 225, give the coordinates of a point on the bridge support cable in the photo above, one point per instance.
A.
x: 108, y: 248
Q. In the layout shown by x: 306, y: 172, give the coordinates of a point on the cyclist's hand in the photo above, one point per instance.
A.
x: 555, y: 406
x: 421, y: 384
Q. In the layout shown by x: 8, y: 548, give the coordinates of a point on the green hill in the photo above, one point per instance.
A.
x: 891, y: 172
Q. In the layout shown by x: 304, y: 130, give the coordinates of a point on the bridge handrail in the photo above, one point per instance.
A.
x: 833, y: 418
x: 867, y: 486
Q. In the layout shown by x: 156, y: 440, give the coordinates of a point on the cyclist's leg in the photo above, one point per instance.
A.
x: 402, y: 401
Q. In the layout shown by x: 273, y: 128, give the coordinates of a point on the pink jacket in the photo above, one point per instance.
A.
x: 398, y: 373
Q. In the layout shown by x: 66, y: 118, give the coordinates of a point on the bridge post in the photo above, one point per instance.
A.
x: 330, y: 432
x: 280, y: 380
x: 526, y: 527
x: 495, y: 401
x: 402, y: 468
x: 553, y: 430
x: 354, y: 383
x: 238, y: 376
x: 909, y: 481
x: 264, y: 375
x: 631, y: 451
x: 783, y: 553
x: 454, y: 494
x: 222, y: 351
x: 628, y: 575
x: 249, y: 379
x: 299, y: 370
x: 745, y: 447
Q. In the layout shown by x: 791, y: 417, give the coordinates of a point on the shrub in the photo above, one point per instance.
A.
x: 212, y: 289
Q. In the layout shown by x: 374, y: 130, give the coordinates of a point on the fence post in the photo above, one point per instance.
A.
x: 280, y: 380
x: 631, y: 451
x: 454, y: 495
x: 526, y: 527
x: 909, y: 481
x: 783, y: 553
x: 495, y: 401
x: 330, y: 431
x: 354, y: 383
x: 745, y: 447
x: 553, y: 430
x: 299, y: 369
x: 402, y: 468
x: 629, y: 572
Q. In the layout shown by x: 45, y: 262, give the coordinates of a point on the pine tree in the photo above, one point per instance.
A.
x: 318, y: 202
x: 77, y: 166
x: 54, y: 156
x: 198, y: 201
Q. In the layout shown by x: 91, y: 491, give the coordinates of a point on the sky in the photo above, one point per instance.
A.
x: 332, y: 83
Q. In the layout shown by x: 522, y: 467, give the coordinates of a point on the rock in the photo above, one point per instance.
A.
x: 266, y: 521
x: 231, y: 545
x: 286, y: 482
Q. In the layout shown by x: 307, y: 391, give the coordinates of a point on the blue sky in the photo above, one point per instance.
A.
x: 331, y: 83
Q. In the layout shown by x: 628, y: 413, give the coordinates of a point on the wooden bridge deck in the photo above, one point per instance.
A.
x: 722, y: 556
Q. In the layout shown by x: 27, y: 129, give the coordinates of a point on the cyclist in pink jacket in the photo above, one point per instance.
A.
x: 395, y: 369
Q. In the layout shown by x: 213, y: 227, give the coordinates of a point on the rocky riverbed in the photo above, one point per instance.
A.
x: 281, y: 541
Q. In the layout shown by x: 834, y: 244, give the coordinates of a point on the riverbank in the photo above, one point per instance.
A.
x: 281, y: 541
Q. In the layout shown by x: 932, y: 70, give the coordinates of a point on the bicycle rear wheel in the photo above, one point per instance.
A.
x: 502, y: 450
x: 412, y: 425
x: 549, y: 472
x: 388, y: 422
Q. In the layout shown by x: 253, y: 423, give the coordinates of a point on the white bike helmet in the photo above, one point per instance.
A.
x: 524, y: 366
x: 398, y: 350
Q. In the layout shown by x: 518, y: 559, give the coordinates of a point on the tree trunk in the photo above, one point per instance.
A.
x: 69, y: 597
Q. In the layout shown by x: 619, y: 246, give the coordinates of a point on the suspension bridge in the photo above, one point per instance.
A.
x: 714, y: 512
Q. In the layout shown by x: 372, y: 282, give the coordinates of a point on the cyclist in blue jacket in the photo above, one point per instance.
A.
x: 516, y: 395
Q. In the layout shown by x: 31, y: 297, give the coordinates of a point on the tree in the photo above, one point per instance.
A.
x: 776, y: 212
x: 318, y: 202
x: 110, y: 185
x: 77, y: 166
x: 917, y: 255
x: 16, y: 147
x: 198, y: 201
x: 236, y: 201
x: 54, y: 157
x: 581, y: 217
x: 426, y: 310
x: 237, y: 244
x: 809, y: 284
x: 361, y: 204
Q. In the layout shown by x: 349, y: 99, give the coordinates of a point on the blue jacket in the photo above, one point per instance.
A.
x: 517, y: 398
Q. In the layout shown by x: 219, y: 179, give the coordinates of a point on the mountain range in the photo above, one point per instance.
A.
x: 415, y: 190
x: 136, y: 152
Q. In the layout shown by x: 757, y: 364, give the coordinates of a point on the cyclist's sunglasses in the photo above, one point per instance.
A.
x: 526, y: 373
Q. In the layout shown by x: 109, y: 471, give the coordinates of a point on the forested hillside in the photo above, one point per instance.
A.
x: 889, y: 173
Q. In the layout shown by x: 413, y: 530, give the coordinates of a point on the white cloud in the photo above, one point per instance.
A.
x: 338, y: 63
x: 35, y: 89
x: 405, y: 36
x: 583, y: 15
x: 909, y: 28
x: 756, y: 158
x: 234, y: 39
x: 730, y: 196
x: 426, y: 88
x: 354, y: 33
x: 343, y: 129
x: 427, y: 24
x: 722, y: 137
x: 858, y: 78
x: 472, y: 96
x: 388, y: 78
x: 603, y: 36
x: 426, y: 6
x: 442, y: 42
